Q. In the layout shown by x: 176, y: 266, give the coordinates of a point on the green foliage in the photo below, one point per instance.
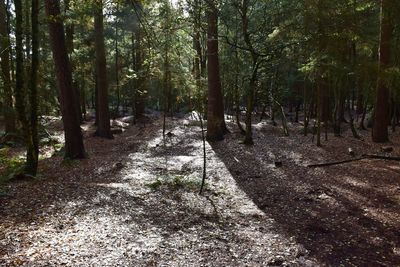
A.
x: 10, y: 166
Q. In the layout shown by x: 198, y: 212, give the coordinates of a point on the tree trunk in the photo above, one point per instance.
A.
x: 19, y: 85
x: 319, y: 109
x: 117, y: 67
x: 74, y: 148
x: 19, y: 73
x: 140, y: 94
x: 248, y: 140
x: 381, y: 114
x: 5, y: 48
x: 103, y: 126
x: 32, y: 156
x: 216, y: 127
x: 69, y: 39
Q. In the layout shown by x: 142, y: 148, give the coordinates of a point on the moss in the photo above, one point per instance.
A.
x: 10, y: 166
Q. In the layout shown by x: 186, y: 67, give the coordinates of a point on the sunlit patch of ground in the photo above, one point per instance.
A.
x: 135, y: 202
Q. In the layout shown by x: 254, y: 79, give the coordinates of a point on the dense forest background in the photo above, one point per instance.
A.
x: 327, y: 62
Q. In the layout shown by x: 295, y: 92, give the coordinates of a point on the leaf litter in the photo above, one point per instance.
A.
x: 135, y: 202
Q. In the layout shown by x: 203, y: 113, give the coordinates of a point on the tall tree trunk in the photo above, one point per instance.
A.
x: 19, y: 72
x: 197, y: 47
x: 200, y: 59
x: 140, y: 88
x: 248, y: 139
x: 253, y: 79
x: 216, y: 127
x: 167, y: 71
x: 69, y: 39
x: 20, y: 102
x: 32, y: 156
x: 319, y: 109
x: 74, y: 148
x: 381, y: 113
x: 116, y: 66
x: 5, y: 48
x: 103, y: 126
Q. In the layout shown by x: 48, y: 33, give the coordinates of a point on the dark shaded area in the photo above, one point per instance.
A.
x: 327, y: 215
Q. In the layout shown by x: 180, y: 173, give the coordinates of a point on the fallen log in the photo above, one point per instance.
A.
x: 365, y: 156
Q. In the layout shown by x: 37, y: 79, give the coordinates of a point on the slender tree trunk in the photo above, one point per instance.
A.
x: 140, y: 86
x: 103, y: 126
x: 306, y: 118
x: 33, y: 144
x: 74, y: 148
x: 19, y: 82
x: 19, y: 73
x: 167, y: 75
x: 319, y: 113
x: 82, y: 99
x: 381, y: 115
x: 5, y: 48
x: 116, y: 66
x: 248, y: 140
x: 216, y: 127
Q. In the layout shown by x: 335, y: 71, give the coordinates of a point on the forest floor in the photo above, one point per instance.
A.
x: 135, y: 202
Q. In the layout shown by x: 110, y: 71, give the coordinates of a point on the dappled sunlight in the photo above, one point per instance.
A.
x: 140, y: 204
x: 145, y: 208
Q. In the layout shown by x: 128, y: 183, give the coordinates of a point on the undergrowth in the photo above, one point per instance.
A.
x: 9, y: 166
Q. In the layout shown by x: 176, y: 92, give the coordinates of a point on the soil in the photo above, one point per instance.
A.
x: 135, y: 202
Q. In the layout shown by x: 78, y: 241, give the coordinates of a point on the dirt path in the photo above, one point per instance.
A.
x: 135, y: 202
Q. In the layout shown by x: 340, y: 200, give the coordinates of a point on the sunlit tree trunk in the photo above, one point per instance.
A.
x: 381, y: 114
x: 74, y: 148
x: 103, y: 125
x: 216, y: 127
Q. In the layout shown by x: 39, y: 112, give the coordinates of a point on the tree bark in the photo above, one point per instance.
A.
x: 381, y: 114
x: 5, y: 48
x: 32, y: 156
x: 69, y: 39
x: 216, y: 127
x: 19, y: 72
x: 140, y: 94
x: 74, y: 148
x: 117, y: 67
x: 103, y: 126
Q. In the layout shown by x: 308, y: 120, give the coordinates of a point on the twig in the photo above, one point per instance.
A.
x: 365, y: 156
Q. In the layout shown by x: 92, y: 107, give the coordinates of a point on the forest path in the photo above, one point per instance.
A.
x: 135, y: 202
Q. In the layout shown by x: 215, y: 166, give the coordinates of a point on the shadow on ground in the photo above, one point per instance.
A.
x: 346, y: 215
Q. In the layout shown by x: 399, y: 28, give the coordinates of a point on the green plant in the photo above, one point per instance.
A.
x: 9, y: 166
